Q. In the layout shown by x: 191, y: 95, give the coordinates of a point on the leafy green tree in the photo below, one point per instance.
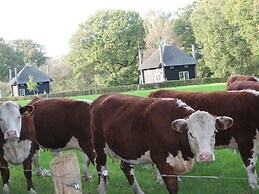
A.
x: 244, y: 16
x: 183, y: 28
x: 33, y: 53
x: 31, y: 85
x: 8, y: 60
x: 225, y: 52
x: 105, y: 47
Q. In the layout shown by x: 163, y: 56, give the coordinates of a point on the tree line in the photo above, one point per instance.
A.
x: 104, y: 49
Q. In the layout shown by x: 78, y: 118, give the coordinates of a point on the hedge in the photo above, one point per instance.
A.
x: 127, y: 88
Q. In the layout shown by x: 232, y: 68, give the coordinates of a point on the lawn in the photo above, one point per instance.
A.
x: 226, y: 175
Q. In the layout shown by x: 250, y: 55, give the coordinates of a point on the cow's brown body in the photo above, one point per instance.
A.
x: 234, y: 78
x: 63, y: 124
x: 138, y: 130
x: 243, y: 85
x: 242, y: 106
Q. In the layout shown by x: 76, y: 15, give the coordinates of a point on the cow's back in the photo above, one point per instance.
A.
x: 234, y: 78
x: 243, y: 85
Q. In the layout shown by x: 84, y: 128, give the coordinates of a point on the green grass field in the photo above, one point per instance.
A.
x: 226, y: 175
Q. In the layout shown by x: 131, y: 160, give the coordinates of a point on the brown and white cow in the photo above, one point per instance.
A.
x: 234, y: 78
x: 17, y: 141
x: 243, y: 85
x: 141, y: 130
x: 243, y: 107
x: 63, y: 124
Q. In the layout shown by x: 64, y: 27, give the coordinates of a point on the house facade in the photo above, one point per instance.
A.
x: 167, y: 63
x: 19, y: 85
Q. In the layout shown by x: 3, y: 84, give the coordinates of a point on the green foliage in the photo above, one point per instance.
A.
x: 8, y: 60
x: 106, y: 45
x: 224, y: 49
x: 31, y: 85
x: 183, y: 28
x: 33, y: 53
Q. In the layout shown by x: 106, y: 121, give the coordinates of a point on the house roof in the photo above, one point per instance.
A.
x: 171, y: 56
x: 27, y: 70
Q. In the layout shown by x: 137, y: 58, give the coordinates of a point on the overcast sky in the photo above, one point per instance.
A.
x: 51, y: 23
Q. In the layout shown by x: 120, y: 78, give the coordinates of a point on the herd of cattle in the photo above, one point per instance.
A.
x: 170, y: 129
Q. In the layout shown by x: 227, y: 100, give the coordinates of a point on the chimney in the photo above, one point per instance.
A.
x: 15, y: 72
x: 160, y: 54
x: 193, y: 51
x: 48, y: 70
x: 10, y: 75
x: 140, y: 57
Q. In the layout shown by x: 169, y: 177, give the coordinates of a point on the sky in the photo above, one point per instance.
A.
x: 51, y: 23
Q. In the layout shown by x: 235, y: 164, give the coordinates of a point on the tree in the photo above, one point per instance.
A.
x: 33, y: 53
x: 106, y: 47
x: 225, y: 52
x: 183, y: 28
x: 8, y: 60
x: 31, y: 85
x: 158, y: 27
x: 244, y: 16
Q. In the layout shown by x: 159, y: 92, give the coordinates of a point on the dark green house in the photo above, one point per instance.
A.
x: 167, y: 63
x: 19, y: 82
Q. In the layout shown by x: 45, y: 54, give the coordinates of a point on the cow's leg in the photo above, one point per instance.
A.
x: 5, y: 173
x: 28, y: 174
x: 87, y: 175
x: 251, y: 172
x: 129, y: 173
x: 248, y: 152
x: 88, y: 148
x: 38, y: 170
x: 101, y: 158
x: 159, y: 178
x: 168, y: 176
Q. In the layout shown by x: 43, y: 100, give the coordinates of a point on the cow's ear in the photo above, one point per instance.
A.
x: 26, y: 110
x: 224, y: 122
x: 179, y: 125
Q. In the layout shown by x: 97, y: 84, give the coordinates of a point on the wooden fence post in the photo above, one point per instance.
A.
x: 65, y: 173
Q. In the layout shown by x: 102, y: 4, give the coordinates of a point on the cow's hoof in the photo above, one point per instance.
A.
x: 160, y: 181
x: 6, y: 188
x: 254, y: 186
x: 88, y: 178
x: 32, y: 191
x: 39, y: 173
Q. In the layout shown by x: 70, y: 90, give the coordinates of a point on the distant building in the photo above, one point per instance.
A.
x: 19, y: 82
x: 167, y: 63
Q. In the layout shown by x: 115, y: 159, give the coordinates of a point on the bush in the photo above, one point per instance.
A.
x: 127, y: 88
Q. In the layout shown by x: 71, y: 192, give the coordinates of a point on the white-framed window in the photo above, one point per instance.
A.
x: 21, y: 92
x: 183, y: 75
x: 158, y: 78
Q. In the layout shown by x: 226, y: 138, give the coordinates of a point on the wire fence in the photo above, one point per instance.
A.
x: 118, y: 182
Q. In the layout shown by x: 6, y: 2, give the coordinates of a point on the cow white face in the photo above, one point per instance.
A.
x: 201, y: 128
x: 11, y: 119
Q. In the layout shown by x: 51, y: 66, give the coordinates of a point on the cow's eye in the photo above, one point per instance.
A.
x: 191, y: 135
x: 19, y: 117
